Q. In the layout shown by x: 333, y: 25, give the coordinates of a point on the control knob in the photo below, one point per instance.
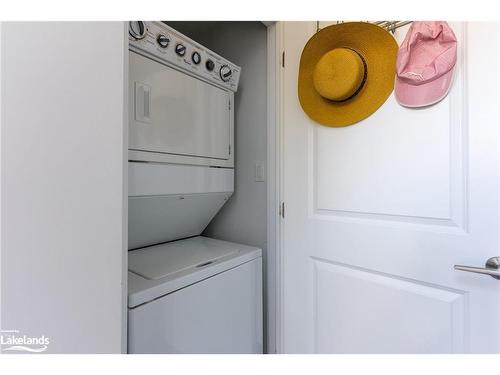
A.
x: 137, y: 29
x: 210, y: 65
x: 180, y: 49
x: 196, y: 58
x: 163, y: 41
x: 225, y: 73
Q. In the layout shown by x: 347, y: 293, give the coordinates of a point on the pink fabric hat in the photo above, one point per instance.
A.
x: 424, y: 67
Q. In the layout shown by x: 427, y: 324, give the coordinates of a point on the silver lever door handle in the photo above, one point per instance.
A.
x: 492, y: 268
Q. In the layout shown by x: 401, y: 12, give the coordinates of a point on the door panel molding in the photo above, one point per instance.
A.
x: 418, y: 317
x: 415, y: 209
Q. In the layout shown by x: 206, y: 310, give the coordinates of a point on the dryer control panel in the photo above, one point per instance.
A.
x: 165, y: 44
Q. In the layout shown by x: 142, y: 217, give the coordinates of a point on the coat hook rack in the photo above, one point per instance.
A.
x: 390, y: 26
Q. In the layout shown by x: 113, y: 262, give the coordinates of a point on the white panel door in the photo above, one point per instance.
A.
x: 378, y: 213
x: 174, y: 113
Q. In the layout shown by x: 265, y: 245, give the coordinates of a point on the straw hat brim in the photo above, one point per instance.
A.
x: 379, y: 50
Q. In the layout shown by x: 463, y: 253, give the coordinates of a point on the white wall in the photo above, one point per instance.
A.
x: 244, y: 218
x: 1, y: 163
x: 63, y: 227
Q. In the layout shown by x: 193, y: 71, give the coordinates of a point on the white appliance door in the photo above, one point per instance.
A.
x: 378, y: 214
x: 174, y: 113
x: 222, y: 314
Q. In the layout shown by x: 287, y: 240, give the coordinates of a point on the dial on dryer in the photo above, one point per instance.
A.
x: 137, y: 29
x: 225, y: 73
x: 180, y: 49
x: 196, y: 58
x: 210, y: 65
x: 163, y: 41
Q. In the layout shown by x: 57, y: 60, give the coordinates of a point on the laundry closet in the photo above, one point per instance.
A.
x: 196, y: 186
x: 199, y: 187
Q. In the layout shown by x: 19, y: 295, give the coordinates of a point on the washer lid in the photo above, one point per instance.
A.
x: 159, y: 261
x: 158, y: 270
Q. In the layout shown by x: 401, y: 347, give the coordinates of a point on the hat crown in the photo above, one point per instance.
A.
x: 428, y: 52
x: 339, y: 74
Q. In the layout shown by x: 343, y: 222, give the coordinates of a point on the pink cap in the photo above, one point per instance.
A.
x: 424, y: 68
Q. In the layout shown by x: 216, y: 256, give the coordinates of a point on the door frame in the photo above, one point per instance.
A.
x: 275, y: 64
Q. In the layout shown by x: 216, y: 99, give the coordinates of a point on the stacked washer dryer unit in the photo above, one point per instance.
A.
x: 187, y: 293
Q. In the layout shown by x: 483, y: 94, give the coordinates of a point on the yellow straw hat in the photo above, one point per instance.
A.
x: 346, y: 72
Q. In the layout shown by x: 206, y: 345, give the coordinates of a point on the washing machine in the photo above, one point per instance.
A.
x: 197, y: 295
x: 187, y: 293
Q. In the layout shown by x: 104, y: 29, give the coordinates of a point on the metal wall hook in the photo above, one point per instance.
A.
x: 393, y: 27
